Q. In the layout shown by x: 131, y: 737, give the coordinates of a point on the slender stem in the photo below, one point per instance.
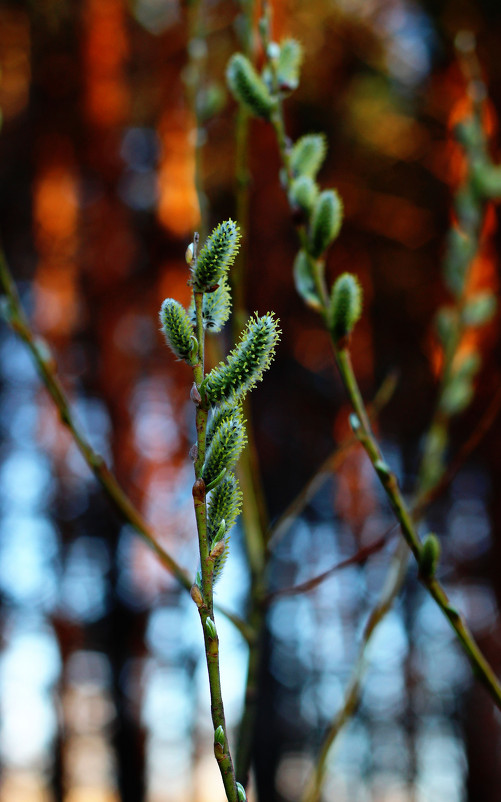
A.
x: 47, y: 371
x: 327, y: 468
x: 360, y: 556
x: 389, y: 481
x: 204, y: 601
x: 394, y: 579
x: 365, y: 435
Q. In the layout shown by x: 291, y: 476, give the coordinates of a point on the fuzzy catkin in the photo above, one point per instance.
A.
x: 248, y: 88
x: 216, y: 308
x: 225, y: 503
x: 289, y: 64
x: 216, y: 256
x: 247, y: 362
x: 308, y: 154
x: 225, y: 448
x: 177, y: 329
x: 345, y: 305
x: 326, y: 221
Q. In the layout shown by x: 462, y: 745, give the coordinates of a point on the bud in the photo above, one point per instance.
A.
x: 190, y: 250
x: 178, y: 331
x: 382, y: 469
x: 308, y: 154
x: 304, y: 280
x: 210, y: 628
x: 326, y: 221
x: 196, y: 595
x: 242, y: 796
x: 355, y: 423
x: 195, y: 395
x: 219, y: 736
x: 345, y: 306
x: 218, y: 549
x: 429, y: 556
x: 248, y: 88
x: 289, y: 65
x: 303, y: 193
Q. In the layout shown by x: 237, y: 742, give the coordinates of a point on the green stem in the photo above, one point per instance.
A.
x: 205, y: 603
x: 389, y: 481
x: 365, y: 435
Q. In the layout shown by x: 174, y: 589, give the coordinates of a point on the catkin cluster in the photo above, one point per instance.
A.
x: 224, y: 388
x: 317, y: 212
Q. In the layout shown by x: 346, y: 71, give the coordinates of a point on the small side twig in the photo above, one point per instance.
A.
x: 45, y: 365
x: 360, y: 557
x: 18, y: 321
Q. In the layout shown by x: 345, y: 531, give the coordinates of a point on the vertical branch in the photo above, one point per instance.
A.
x: 318, y: 219
x: 204, y: 599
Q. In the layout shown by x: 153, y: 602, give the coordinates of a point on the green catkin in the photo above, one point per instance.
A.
x: 218, y: 415
x: 326, y: 221
x: 308, y: 154
x: 247, y: 362
x: 177, y: 329
x: 345, y: 306
x: 289, y: 65
x: 216, y: 308
x: 225, y: 448
x: 225, y: 503
x: 216, y: 257
x: 303, y: 193
x: 304, y: 280
x: 247, y: 87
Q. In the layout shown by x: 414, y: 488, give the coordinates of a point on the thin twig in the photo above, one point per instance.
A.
x: 15, y: 316
x: 394, y: 579
x: 360, y: 557
x: 328, y: 466
x: 204, y: 595
x: 388, y: 479
x: 46, y: 368
x: 481, y: 667
x: 485, y: 423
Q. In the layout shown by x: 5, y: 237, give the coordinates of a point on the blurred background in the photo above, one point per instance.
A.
x: 103, y: 689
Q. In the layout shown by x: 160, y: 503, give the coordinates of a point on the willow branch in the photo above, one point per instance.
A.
x: 481, y: 667
x: 205, y: 599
